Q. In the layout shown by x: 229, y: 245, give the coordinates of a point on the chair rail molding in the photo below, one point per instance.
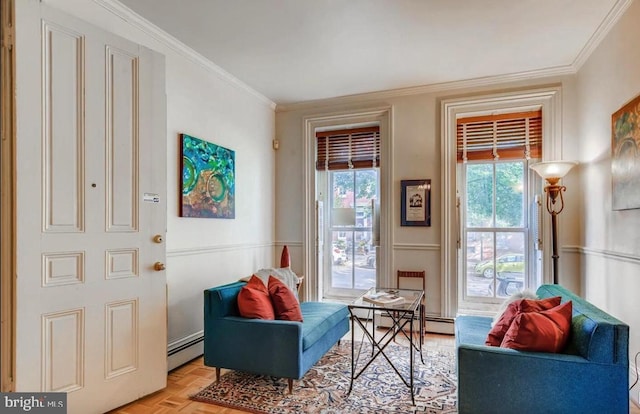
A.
x: 197, y: 250
x: 417, y: 246
x: 607, y: 254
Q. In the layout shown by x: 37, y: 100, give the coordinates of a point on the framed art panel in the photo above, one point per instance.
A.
x: 208, y: 179
x: 625, y: 156
x: 415, y: 203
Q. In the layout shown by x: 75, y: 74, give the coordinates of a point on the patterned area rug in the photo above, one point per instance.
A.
x: 323, y: 389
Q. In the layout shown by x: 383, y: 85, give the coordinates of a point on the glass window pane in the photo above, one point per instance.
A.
x: 343, y: 191
x: 479, y: 195
x: 341, y: 272
x: 365, y: 190
x: 511, y: 264
x: 509, y: 194
x: 480, y: 264
x: 364, y: 261
x: 352, y: 256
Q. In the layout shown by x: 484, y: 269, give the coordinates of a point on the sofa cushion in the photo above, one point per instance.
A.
x: 254, y: 301
x: 545, y: 331
x: 319, y: 317
x: 496, y: 334
x: 285, y: 304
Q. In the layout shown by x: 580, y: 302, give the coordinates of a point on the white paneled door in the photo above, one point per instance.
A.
x: 91, y: 179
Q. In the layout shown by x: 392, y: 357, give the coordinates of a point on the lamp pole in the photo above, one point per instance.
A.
x: 554, y: 190
x: 554, y: 245
x: 552, y: 172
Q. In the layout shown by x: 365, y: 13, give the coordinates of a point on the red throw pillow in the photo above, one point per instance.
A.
x: 496, y: 334
x: 254, y: 301
x: 545, y: 331
x: 285, y: 304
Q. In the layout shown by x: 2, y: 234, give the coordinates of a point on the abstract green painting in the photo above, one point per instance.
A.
x: 208, y: 179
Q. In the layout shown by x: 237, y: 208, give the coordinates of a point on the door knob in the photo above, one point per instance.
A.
x: 159, y: 266
x: 158, y: 238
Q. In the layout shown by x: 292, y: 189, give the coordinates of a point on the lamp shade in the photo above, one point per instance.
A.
x: 553, y: 169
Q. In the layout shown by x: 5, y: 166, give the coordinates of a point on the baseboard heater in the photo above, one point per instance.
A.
x: 185, y: 346
x: 433, y: 324
x: 184, y: 350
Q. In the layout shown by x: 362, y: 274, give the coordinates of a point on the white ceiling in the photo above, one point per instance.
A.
x: 300, y: 50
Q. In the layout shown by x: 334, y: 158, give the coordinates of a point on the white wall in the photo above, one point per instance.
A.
x: 207, y: 104
x: 416, y: 154
x: 611, y: 268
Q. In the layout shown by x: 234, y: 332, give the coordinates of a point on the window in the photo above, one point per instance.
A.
x: 349, y: 159
x: 493, y: 153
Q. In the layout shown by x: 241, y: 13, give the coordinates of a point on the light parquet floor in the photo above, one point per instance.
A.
x: 193, y: 376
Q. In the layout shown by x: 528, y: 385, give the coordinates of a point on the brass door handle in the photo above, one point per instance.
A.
x: 159, y: 266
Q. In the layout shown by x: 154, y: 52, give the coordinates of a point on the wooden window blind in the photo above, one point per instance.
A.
x: 506, y: 136
x: 348, y: 148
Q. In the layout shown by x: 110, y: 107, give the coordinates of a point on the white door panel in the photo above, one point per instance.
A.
x: 91, y: 312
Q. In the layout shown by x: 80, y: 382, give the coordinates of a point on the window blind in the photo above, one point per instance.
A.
x: 508, y: 136
x: 348, y: 148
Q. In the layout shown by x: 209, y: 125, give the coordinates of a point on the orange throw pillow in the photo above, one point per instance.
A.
x: 496, y: 334
x: 254, y: 301
x: 285, y: 304
x: 545, y: 331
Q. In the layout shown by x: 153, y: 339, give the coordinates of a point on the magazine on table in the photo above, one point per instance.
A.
x: 385, y: 297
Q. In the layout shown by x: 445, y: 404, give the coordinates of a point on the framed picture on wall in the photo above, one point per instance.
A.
x: 625, y: 156
x: 415, y: 203
x: 207, y: 180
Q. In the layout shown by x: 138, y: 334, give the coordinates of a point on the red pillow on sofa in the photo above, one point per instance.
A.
x: 285, y: 304
x: 254, y: 301
x: 496, y: 334
x: 545, y: 331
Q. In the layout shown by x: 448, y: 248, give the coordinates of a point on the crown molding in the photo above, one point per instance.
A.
x: 603, y: 29
x: 123, y: 12
x: 431, y: 88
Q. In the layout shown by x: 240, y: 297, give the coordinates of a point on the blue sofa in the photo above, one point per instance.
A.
x: 283, y: 349
x: 591, y: 376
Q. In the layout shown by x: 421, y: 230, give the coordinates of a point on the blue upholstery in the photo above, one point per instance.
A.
x: 282, y: 349
x: 591, y: 376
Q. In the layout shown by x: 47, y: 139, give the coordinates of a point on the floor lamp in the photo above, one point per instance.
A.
x: 552, y: 172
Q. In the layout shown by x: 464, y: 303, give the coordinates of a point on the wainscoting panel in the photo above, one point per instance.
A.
x: 425, y: 257
x: 611, y: 281
x: 192, y: 271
